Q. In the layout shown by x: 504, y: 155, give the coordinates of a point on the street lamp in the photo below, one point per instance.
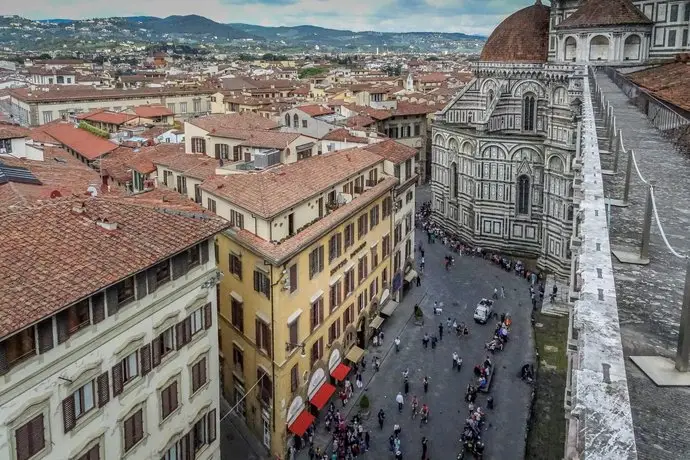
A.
x: 291, y: 346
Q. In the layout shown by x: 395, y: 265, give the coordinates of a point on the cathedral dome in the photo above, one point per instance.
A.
x: 521, y: 37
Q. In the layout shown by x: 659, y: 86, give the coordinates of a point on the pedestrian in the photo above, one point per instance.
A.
x: 455, y: 359
x: 448, y: 322
x: 425, y: 340
x: 440, y: 331
x: 400, y: 400
x: 458, y: 363
x: 398, y: 455
x: 364, y: 364
x: 377, y: 364
x: 425, y: 381
x: 421, y: 264
x: 495, y: 295
x: 359, y: 380
x: 419, y: 280
x: 421, y: 251
x: 433, y: 342
x: 424, y: 447
x: 380, y: 338
x: 381, y: 417
x: 396, y: 430
x: 375, y: 340
x: 366, y: 440
x: 312, y: 453
x: 503, y: 292
x: 391, y: 443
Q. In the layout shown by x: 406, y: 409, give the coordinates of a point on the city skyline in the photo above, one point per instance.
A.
x: 463, y: 16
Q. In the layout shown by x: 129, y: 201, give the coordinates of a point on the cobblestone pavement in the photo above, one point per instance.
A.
x: 650, y: 297
x: 459, y: 289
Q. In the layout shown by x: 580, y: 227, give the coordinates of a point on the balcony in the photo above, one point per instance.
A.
x: 371, y: 182
x: 359, y: 189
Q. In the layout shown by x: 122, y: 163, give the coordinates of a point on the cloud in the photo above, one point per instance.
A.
x: 466, y: 16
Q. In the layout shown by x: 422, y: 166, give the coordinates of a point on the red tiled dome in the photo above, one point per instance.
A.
x: 521, y: 37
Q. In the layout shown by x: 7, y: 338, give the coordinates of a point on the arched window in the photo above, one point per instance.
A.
x: 631, y: 47
x: 570, y: 49
x: 295, y: 119
x: 570, y: 212
x: 599, y: 48
x: 287, y: 119
x: 489, y: 97
x: 529, y: 112
x: 523, y: 195
x: 454, y: 180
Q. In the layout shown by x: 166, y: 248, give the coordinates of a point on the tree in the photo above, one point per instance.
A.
x: 311, y: 72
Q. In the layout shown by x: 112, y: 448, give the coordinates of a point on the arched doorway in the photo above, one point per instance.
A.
x: 570, y: 49
x: 631, y: 48
x: 599, y: 48
x: 362, y: 332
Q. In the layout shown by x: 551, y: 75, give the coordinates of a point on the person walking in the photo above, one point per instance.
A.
x: 440, y: 331
x: 419, y: 280
x: 381, y: 417
x: 400, y: 400
x: 495, y: 295
x: 425, y: 381
x: 366, y: 440
x: 359, y: 380
x: 503, y: 292
x: 396, y: 430
x: 455, y: 359
x: 424, y: 447
x: 397, y: 344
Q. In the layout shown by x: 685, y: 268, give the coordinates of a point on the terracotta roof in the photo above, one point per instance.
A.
x: 278, y: 253
x: 359, y: 121
x: 77, y: 257
x: 392, y: 151
x: 162, y: 197
x: 154, y: 132
x: 669, y: 82
x: 60, y: 174
x: 315, y: 110
x: 144, y: 161
x: 410, y: 108
x: 598, y: 13
x: 521, y: 37
x: 344, y: 135
x: 152, y: 111
x: 87, y: 93
x: 81, y: 141
x: 269, y: 192
x: 195, y: 166
x: 228, y: 125
x: 434, y: 77
x: 269, y: 139
x: 106, y: 116
x: 12, y: 131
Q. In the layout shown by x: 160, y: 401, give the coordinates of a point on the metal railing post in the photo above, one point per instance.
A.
x: 618, y: 140
x: 628, y: 172
x: 683, y: 350
x: 647, y: 224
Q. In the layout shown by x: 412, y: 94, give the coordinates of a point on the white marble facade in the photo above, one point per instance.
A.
x: 502, y: 157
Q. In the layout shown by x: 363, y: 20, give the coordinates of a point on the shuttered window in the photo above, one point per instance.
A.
x: 262, y: 283
x: 162, y: 345
x: 78, y: 404
x: 45, y: 335
x: 263, y: 336
x: 198, y: 375
x: 315, y: 261
x: 293, y: 278
x: 169, y: 400
x: 30, y: 438
x: 92, y: 454
x: 235, y: 265
x: 316, y: 313
x: 103, y: 388
x: 133, y: 429
x: 237, y: 314
x: 349, y: 235
x: 294, y: 378
x: 125, y: 372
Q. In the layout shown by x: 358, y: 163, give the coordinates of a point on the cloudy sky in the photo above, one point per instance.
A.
x: 468, y: 16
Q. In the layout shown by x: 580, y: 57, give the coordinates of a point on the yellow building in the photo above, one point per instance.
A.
x: 305, y: 265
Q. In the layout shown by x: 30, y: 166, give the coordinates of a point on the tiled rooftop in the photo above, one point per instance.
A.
x: 315, y: 110
x: 669, y: 82
x: 106, y: 116
x: 152, y: 111
x: 76, y: 93
x: 521, y: 37
x: 196, y: 166
x: 269, y: 192
x: 53, y: 257
x: 599, y: 13
x: 269, y: 139
x: 230, y: 125
x: 12, y: 131
x: 81, y: 141
x: 392, y: 151
x: 344, y: 135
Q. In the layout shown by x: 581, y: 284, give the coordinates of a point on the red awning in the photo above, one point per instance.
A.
x: 340, y: 371
x: 322, y: 395
x: 301, y: 423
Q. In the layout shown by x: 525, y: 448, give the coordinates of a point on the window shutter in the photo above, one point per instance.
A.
x: 202, y: 372
x: 208, y: 316
x: 293, y: 278
x: 45, y: 335
x: 145, y: 359
x: 179, y: 331
x: 117, y: 379
x: 320, y: 311
x: 98, y: 307
x: 140, y: 285
x: 257, y: 329
x: 37, y: 432
x: 156, y: 349
x: 187, y: 330
x: 4, y: 365
x: 179, y: 265
x: 103, y: 389
x: 165, y: 402
x: 204, y: 251
x: 138, y: 425
x: 111, y: 300
x: 62, y: 326
x: 268, y: 341
x: 320, y: 258
x: 68, y: 416
x: 151, y: 282
x: 173, y: 396
x: 211, y: 426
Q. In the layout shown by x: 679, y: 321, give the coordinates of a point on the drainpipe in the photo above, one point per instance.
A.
x: 273, y: 351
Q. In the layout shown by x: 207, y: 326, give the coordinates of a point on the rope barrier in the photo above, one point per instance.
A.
x: 661, y: 230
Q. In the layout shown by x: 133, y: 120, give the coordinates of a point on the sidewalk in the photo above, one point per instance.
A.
x: 236, y: 441
x: 391, y: 328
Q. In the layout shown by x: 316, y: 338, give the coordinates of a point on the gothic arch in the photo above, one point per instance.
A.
x: 454, y: 190
x: 453, y: 145
x: 560, y: 96
x: 438, y: 141
x: 467, y: 147
x: 529, y: 86
x: 488, y: 84
x: 518, y: 153
x: 522, y: 195
x: 493, y: 151
x: 556, y: 164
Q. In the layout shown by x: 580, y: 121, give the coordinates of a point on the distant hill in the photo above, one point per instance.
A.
x: 191, y: 24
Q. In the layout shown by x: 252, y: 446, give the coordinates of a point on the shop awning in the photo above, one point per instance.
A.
x: 376, y: 322
x: 389, y: 308
x: 355, y: 354
x: 301, y: 423
x: 322, y: 395
x: 340, y: 371
x: 410, y: 276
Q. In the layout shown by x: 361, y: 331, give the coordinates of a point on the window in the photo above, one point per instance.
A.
x: 523, y: 195
x: 348, y: 316
x: 362, y: 225
x: 222, y: 151
x: 408, y: 169
x: 198, y: 320
x: 47, y: 116
x: 384, y: 278
x: 315, y: 261
x: 674, y: 13
x: 197, y: 105
x: 125, y: 291
x: 73, y: 319
x: 294, y: 378
x: 396, y: 171
x: 417, y: 129
x: 295, y: 120
x: 81, y: 401
x: 211, y: 204
x: 316, y: 351
x: 374, y: 256
x: 361, y: 301
x: 362, y: 269
x: 263, y: 336
x: 528, y: 112
x: 182, y: 184
x: 238, y: 359
x: 385, y: 246
x: 293, y: 333
x: 183, y: 107
x: 171, y: 107
x: 454, y: 180
x: 134, y: 429
x: 193, y: 256
x: 199, y: 375
x: 671, y: 38
x: 129, y: 368
x: 334, y: 331
x: 685, y: 32
x: 163, y: 345
x: 397, y: 234
x: 262, y: 283
x: 374, y: 216
x: 349, y: 235
x: 409, y: 196
x: 237, y: 314
x: 686, y: 16
x: 374, y: 288
x: 316, y: 313
x: 408, y: 249
x: 287, y: 119
x: 334, y: 246
x: 349, y: 282
x: 162, y: 272
x: 198, y: 145
x: 408, y: 224
x: 304, y: 123
x: 94, y: 453
x: 293, y: 278
x: 5, y: 145
x: 30, y: 438
x: 236, y: 219
x: 169, y: 400
x: 386, y: 206
x: 235, y: 265
x: 335, y: 295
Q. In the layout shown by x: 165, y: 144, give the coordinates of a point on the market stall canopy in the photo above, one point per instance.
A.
x: 355, y: 354
x: 322, y: 395
x: 376, y: 322
x: 340, y: 371
x: 410, y: 276
x: 389, y: 308
x: 301, y: 423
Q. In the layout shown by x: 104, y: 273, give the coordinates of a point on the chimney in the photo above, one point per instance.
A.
x: 103, y: 222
